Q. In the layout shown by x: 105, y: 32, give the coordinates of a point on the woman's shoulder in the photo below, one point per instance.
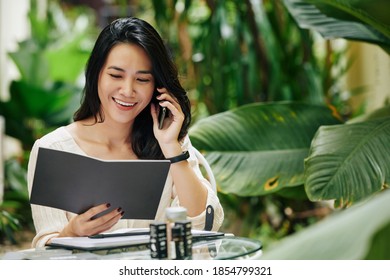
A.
x: 59, y: 138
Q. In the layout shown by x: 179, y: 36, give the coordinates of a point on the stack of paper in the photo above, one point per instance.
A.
x: 88, y: 243
x: 120, y: 238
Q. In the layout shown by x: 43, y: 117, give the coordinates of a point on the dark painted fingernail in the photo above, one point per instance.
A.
x: 108, y: 205
x: 119, y: 209
x: 123, y: 212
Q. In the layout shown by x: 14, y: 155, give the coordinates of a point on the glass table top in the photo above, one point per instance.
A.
x: 222, y: 248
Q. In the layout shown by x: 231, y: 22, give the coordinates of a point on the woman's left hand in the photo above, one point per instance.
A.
x: 173, y: 121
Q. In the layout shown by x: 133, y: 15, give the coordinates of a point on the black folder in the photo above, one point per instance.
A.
x: 75, y: 183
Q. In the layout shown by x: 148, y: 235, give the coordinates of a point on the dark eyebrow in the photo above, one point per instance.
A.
x: 116, y: 68
x: 138, y: 72
x: 144, y: 72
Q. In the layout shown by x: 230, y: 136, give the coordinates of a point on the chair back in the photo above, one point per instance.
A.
x: 203, y: 162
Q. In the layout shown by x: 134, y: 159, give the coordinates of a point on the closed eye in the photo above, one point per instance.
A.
x: 142, y: 80
x: 115, y: 76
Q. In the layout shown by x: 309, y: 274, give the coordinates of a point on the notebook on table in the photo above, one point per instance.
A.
x: 121, y: 238
x: 75, y: 183
x: 93, y: 244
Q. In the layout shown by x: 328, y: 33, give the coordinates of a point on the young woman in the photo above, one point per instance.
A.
x: 129, y: 77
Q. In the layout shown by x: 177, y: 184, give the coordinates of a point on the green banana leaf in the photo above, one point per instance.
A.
x: 359, y: 232
x: 349, y: 162
x: 259, y: 148
x: 362, y: 20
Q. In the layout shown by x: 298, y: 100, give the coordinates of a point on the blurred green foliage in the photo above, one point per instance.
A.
x: 50, y: 62
x: 344, y: 163
x: 229, y: 53
x: 233, y: 53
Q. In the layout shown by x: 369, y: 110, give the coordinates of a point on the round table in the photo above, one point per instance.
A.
x: 221, y: 248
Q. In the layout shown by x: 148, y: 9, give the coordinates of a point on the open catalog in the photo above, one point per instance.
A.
x: 75, y: 183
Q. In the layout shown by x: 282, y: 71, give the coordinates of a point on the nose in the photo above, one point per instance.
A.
x: 127, y: 88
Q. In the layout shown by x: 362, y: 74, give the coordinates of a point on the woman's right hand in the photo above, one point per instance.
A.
x: 85, y: 224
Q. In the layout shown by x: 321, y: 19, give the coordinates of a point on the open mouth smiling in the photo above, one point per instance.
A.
x: 122, y: 103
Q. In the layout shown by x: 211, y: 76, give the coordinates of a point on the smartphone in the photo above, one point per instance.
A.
x: 161, y: 116
x: 162, y: 110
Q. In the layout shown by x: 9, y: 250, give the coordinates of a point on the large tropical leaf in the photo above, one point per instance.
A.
x: 359, y: 232
x: 39, y: 102
x: 363, y: 20
x: 259, y: 148
x: 31, y: 64
x: 349, y: 162
x: 53, y: 106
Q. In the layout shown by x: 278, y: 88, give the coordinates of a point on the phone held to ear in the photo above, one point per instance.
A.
x: 162, y: 111
x: 161, y: 116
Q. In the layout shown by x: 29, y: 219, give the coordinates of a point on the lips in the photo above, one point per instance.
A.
x: 122, y: 103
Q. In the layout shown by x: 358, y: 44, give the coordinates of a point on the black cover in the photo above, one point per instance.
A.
x: 75, y: 183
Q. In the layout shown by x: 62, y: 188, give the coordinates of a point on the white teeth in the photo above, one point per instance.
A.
x: 124, y: 103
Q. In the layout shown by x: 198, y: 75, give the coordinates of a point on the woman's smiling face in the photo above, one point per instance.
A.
x: 126, y: 83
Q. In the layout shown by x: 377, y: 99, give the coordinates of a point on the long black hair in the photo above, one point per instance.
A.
x: 134, y: 31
